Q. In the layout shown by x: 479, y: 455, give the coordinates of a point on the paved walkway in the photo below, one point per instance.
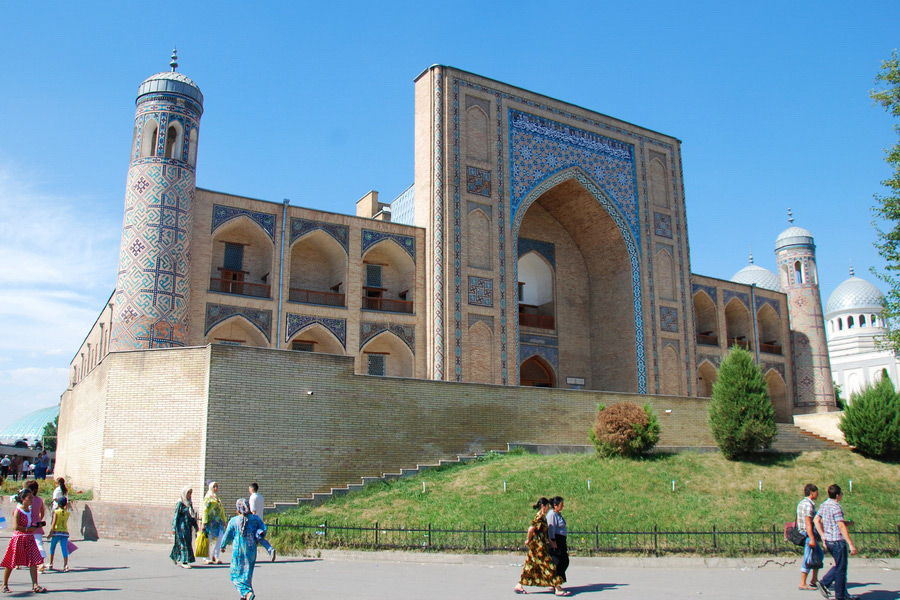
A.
x: 131, y: 571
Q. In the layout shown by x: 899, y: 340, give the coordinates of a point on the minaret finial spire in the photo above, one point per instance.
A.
x: 751, y: 253
x: 790, y: 217
x: 852, y: 273
x: 174, y: 63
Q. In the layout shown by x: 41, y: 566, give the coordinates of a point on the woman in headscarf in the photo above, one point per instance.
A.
x: 213, y: 520
x: 539, y: 569
x: 244, y: 529
x: 182, y: 527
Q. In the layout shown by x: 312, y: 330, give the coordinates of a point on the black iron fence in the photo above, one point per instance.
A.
x: 595, y: 541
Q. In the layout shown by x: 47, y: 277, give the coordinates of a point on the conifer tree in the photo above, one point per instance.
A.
x: 871, y: 421
x: 741, y: 416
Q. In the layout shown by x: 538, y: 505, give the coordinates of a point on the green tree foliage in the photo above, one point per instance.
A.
x: 871, y: 422
x: 887, y: 208
x: 48, y: 437
x: 624, y: 429
x: 741, y: 416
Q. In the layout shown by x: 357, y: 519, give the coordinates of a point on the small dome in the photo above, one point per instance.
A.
x: 761, y: 276
x: 173, y: 83
x: 855, y: 294
x: 794, y: 236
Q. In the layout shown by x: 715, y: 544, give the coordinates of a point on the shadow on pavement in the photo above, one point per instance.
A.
x: 593, y: 587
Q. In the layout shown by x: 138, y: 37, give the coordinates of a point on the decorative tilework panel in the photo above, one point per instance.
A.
x: 437, y: 211
x: 541, y: 147
x: 545, y: 249
x: 538, y: 340
x: 223, y: 214
x: 713, y: 359
x: 548, y: 353
x: 713, y: 293
x: 727, y: 295
x: 368, y: 330
x: 779, y: 368
x: 662, y: 225
x: 217, y: 313
x: 341, y: 233
x: 481, y: 291
x: 668, y: 319
x: 478, y: 181
x: 760, y: 301
x: 370, y: 238
x: 297, y: 323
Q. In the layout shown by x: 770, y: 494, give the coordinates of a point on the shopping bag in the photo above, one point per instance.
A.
x: 71, y: 547
x: 202, y: 545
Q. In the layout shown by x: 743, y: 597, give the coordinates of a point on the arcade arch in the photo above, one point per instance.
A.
x: 315, y: 338
x: 778, y: 396
x: 737, y: 324
x: 237, y: 331
x: 242, y: 257
x: 706, y: 319
x: 706, y: 375
x: 536, y: 372
x: 318, y: 270
x: 388, y: 278
x: 387, y: 355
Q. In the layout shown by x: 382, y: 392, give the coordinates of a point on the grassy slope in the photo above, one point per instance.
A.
x: 624, y: 495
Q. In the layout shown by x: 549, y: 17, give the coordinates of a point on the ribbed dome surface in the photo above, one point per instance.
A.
x: 171, y: 82
x: 793, y: 236
x: 761, y: 276
x: 854, y: 294
x: 31, y: 426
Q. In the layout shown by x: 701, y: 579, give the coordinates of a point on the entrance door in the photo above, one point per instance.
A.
x: 536, y: 373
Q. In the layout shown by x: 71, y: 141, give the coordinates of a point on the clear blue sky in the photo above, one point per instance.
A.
x: 313, y: 102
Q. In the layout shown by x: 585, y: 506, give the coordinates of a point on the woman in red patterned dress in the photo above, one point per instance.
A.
x: 22, y: 549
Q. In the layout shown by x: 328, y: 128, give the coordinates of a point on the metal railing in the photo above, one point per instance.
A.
x: 314, y: 297
x: 242, y: 288
x: 539, y: 321
x: 387, y: 304
x: 739, y: 343
x: 770, y: 348
x: 707, y: 339
x: 581, y: 542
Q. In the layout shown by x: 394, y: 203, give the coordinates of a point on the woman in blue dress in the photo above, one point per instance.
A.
x: 244, y: 529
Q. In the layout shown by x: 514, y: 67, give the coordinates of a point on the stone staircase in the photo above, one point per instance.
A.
x: 317, y: 498
x: 791, y: 440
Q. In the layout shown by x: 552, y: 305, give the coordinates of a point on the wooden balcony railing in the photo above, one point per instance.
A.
x: 740, y: 343
x: 314, y: 297
x: 387, y: 305
x: 770, y: 347
x: 539, y: 321
x: 242, y: 288
x: 707, y: 339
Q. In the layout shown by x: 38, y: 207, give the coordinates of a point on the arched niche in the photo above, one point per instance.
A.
x: 479, y: 245
x: 769, y: 326
x: 396, y: 357
x: 242, y: 259
x: 315, y: 338
x: 237, y: 331
x: 318, y: 270
x: 706, y: 376
x: 671, y: 372
x: 659, y: 184
x: 478, y: 354
x: 665, y: 274
x: 778, y: 396
x: 536, y: 372
x: 174, y: 140
x: 706, y: 319
x: 148, y: 138
x: 737, y: 324
x: 535, y: 292
x: 389, y: 282
x: 477, y: 134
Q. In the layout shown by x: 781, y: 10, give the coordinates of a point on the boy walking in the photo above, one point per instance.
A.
x: 256, y: 507
x: 812, y: 550
x: 832, y: 527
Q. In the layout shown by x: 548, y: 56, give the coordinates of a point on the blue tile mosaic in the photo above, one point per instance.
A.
x: 668, y: 319
x: 760, y: 301
x: 545, y: 249
x: 538, y: 340
x: 223, y: 214
x: 297, y: 323
x: 710, y: 290
x: 727, y: 295
x: 481, y: 291
x: 368, y: 330
x: 370, y: 238
x: 548, y: 353
x: 217, y: 313
x: 341, y: 233
x: 662, y: 225
x: 478, y: 181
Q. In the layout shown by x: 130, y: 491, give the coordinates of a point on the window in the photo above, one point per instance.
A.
x: 234, y: 257
x: 798, y: 272
x: 373, y: 276
x: 873, y: 320
x: 850, y: 322
x: 302, y: 346
x: 192, y: 146
x: 521, y: 291
x: 148, y: 139
x: 840, y: 324
x: 862, y: 320
x: 172, y: 149
x: 376, y: 364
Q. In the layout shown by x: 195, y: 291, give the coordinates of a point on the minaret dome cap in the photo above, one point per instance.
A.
x: 171, y: 82
x: 794, y: 236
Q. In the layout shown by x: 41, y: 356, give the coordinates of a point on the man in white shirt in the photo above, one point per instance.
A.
x: 256, y: 507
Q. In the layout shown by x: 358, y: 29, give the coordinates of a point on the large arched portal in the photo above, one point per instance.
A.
x: 535, y: 372
x: 592, y: 301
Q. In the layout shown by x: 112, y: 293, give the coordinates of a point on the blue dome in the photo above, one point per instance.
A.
x: 793, y: 236
x: 30, y: 427
x: 173, y: 83
x: 854, y: 294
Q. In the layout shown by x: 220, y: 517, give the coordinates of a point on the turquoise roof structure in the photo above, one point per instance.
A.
x: 30, y: 427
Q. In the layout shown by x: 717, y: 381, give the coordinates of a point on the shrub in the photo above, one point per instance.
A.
x: 625, y: 429
x: 741, y: 416
x: 871, y: 421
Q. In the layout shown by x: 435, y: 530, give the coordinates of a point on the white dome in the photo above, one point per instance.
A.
x: 762, y: 277
x: 793, y: 236
x: 855, y: 294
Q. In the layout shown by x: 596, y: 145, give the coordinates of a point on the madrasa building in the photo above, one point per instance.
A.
x: 540, y: 256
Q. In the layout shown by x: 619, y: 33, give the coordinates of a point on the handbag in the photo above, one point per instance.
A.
x: 202, y: 545
x: 815, y: 563
x: 794, y: 535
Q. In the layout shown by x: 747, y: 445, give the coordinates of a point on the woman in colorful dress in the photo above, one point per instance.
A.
x: 244, y: 529
x: 539, y: 569
x: 22, y: 550
x: 182, y: 526
x: 213, y: 520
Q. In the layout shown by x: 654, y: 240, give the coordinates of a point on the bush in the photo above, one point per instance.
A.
x: 741, y: 416
x: 625, y: 429
x: 871, y: 421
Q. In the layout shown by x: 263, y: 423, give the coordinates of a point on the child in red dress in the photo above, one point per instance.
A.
x: 22, y: 549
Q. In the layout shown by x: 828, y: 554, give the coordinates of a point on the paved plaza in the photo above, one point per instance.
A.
x: 110, y: 569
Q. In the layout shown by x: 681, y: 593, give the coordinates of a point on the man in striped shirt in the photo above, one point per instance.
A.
x: 832, y: 527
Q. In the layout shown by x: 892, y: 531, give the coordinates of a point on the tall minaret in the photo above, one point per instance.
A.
x: 153, y: 285
x: 795, y: 253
